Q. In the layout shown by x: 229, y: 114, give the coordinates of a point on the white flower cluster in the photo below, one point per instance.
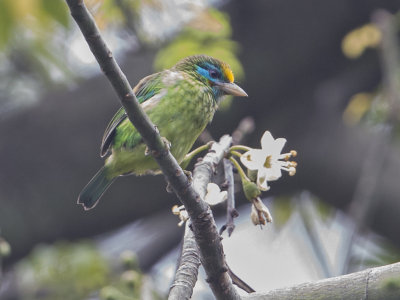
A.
x: 268, y: 161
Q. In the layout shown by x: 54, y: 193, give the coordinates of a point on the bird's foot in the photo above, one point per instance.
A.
x: 188, y: 175
x: 181, y: 212
x: 169, y: 188
x: 166, y: 143
x: 147, y: 151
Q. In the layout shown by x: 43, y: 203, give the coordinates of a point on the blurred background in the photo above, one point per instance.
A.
x: 322, y: 74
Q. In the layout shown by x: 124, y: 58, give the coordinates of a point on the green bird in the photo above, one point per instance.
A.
x: 180, y: 101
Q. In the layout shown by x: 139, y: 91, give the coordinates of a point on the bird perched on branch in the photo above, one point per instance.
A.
x: 180, y: 101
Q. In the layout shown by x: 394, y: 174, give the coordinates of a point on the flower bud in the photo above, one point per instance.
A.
x: 250, y: 189
x: 260, y: 214
x: 252, y: 174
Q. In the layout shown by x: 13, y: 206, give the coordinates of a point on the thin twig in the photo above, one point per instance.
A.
x: 184, y: 278
x: 202, y: 174
x: 239, y: 282
x: 231, y: 212
x: 245, y: 127
x: 203, y: 223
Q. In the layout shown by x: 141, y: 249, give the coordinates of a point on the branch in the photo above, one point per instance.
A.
x: 203, y: 223
x: 372, y: 284
x: 231, y: 212
x: 245, y: 127
x: 204, y: 226
x: 186, y: 275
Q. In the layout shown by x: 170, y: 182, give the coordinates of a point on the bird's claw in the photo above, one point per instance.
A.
x: 169, y: 188
x: 188, y: 175
x: 147, y: 151
x: 166, y: 143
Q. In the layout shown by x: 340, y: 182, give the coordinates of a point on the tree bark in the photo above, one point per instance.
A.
x: 371, y: 284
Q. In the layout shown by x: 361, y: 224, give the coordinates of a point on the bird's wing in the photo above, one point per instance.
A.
x: 144, y: 90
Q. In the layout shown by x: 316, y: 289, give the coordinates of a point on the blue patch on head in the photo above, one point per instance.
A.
x: 206, y: 70
x: 203, y: 72
x: 209, y: 71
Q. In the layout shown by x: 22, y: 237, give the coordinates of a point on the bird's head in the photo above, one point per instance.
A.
x: 213, y: 73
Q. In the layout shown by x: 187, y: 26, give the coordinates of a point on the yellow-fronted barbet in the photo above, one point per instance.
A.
x: 180, y: 101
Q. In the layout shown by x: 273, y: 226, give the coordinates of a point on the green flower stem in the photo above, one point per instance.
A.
x: 239, y: 168
x: 236, y: 153
x: 188, y: 158
x: 240, y: 148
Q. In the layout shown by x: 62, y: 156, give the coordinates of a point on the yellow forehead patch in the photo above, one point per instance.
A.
x: 228, y: 73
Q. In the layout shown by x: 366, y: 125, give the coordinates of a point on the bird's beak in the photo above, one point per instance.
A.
x: 232, y: 89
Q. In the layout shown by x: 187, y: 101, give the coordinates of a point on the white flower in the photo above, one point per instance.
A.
x: 214, y: 195
x: 260, y: 213
x: 181, y: 212
x: 268, y: 160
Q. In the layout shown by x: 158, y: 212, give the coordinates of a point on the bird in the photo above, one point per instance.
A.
x: 180, y: 101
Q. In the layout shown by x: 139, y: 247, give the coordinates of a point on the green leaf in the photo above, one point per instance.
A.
x: 57, y: 10
x: 6, y: 22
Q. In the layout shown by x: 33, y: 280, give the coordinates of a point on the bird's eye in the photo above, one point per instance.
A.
x: 213, y: 73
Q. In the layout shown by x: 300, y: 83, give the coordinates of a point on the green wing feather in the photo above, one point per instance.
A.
x: 119, y: 116
x: 144, y: 90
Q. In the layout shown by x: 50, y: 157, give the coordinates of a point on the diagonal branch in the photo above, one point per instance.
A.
x: 204, y: 227
x: 372, y: 284
x: 186, y: 276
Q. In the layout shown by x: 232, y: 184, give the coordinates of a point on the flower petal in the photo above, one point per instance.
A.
x: 255, y: 216
x: 253, y: 159
x: 277, y: 147
x: 267, y: 140
x: 262, y: 208
x: 270, y: 174
x: 214, y: 195
x: 262, y: 179
x: 274, y: 173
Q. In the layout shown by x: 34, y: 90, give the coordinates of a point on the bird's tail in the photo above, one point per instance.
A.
x: 92, y: 192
